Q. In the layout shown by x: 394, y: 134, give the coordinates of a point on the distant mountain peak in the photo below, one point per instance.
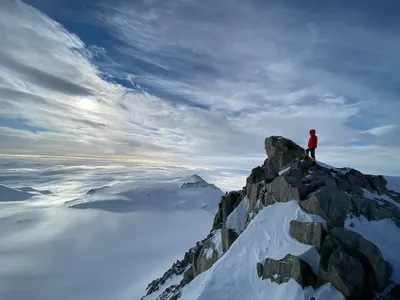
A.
x: 195, y: 181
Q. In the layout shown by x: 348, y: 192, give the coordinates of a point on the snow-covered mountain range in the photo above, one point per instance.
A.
x: 107, y: 242
x: 294, y: 231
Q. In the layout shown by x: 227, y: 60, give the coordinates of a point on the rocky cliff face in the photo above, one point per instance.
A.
x: 352, y: 264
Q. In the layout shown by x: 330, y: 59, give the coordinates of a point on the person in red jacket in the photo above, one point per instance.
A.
x: 312, y: 145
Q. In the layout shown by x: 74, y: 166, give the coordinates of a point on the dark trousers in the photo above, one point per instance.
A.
x: 312, y: 151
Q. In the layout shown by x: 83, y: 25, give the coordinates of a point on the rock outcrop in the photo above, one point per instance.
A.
x: 290, y: 267
x: 310, y: 233
x: 352, y: 264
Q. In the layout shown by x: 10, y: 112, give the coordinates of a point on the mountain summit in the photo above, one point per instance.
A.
x: 195, y: 181
x: 295, y: 231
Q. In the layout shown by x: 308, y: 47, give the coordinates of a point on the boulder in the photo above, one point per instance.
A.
x: 310, y: 233
x: 345, y: 273
x: 281, y: 271
x: 282, y: 151
x: 284, y: 189
x: 377, y: 183
x: 331, y: 204
x: 367, y: 253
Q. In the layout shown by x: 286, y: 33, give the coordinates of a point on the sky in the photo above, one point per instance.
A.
x: 201, y: 82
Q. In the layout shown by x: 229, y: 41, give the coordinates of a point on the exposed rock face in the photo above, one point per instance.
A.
x: 256, y: 176
x: 331, y: 204
x: 283, y: 270
x: 253, y: 192
x: 205, y: 258
x: 282, y: 151
x: 344, y: 273
x: 366, y: 252
x: 228, y: 204
x: 310, y: 233
x: 353, y: 265
x: 284, y: 189
x: 344, y: 248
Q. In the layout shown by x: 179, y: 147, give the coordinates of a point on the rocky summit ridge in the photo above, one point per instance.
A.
x: 352, y: 264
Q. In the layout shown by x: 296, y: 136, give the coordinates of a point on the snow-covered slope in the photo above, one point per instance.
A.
x: 234, y: 276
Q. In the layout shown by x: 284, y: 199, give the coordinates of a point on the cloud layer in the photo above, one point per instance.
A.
x: 194, y: 79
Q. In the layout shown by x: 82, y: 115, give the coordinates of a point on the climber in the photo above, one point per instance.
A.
x: 312, y: 145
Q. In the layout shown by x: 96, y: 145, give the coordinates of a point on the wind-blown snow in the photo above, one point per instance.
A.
x: 379, y: 198
x: 237, y: 219
x: 384, y: 234
x: 234, y: 275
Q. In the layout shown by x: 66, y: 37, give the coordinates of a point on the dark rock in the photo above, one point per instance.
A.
x: 377, y: 183
x: 345, y: 273
x: 368, y: 253
x: 281, y: 271
x: 282, y: 151
x: 229, y: 236
x: 217, y: 223
x: 310, y: 233
x: 329, y: 270
x: 201, y: 261
x: 353, y: 181
x: 373, y: 210
x: 260, y: 268
x: 284, y: 189
x: 252, y: 192
x: 228, y: 204
x: 270, y: 170
x: 256, y: 176
x: 394, y: 293
x: 188, y: 276
x: 331, y: 204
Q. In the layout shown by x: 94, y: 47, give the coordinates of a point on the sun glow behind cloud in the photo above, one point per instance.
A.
x: 87, y: 104
x: 199, y: 86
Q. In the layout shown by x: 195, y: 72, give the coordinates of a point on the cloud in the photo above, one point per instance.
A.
x: 186, y: 79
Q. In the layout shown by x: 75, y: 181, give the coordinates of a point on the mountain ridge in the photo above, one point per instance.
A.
x: 322, y: 200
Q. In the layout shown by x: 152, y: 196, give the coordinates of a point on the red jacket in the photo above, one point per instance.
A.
x: 313, y: 141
